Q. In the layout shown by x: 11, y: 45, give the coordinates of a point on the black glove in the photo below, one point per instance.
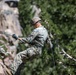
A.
x: 14, y: 36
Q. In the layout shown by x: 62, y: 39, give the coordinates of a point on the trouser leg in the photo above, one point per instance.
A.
x: 29, y: 53
x: 17, y: 61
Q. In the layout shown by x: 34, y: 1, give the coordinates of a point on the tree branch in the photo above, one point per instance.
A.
x: 70, y: 57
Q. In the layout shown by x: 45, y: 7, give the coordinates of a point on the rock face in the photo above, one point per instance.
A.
x: 9, y: 24
x: 9, y: 19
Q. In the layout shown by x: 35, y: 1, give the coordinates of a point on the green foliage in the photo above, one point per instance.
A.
x: 61, y: 18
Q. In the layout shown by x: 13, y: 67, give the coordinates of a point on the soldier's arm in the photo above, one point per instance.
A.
x: 28, y: 39
x: 31, y: 37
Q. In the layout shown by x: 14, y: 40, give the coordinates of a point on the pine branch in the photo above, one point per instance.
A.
x: 70, y: 57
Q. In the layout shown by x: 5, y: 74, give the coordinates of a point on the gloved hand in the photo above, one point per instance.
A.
x: 14, y: 36
x: 22, y: 40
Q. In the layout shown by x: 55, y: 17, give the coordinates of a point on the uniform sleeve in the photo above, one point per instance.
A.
x: 31, y: 37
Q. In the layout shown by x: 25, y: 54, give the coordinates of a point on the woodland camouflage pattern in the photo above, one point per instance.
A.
x: 36, y: 40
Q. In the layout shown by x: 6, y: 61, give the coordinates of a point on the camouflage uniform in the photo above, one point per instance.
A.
x: 36, y: 39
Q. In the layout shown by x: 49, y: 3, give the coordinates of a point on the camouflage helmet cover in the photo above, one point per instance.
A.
x: 35, y: 20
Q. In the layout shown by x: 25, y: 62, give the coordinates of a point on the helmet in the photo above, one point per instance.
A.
x: 35, y: 20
